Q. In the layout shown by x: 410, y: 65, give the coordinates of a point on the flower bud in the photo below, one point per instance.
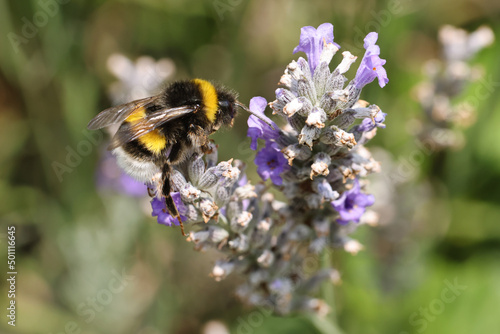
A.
x: 217, y: 234
x: 337, y: 137
x: 320, y: 165
x: 222, y: 195
x: 292, y: 107
x: 178, y: 180
x: 240, y: 243
x: 196, y: 168
x: 245, y: 192
x: 281, y: 286
x: 286, y: 80
x: 314, y: 201
x: 283, y: 97
x: 353, y: 246
x: 258, y: 277
x: 264, y: 225
x: 316, y: 118
x: 317, y: 245
x: 308, y: 135
x: 222, y: 269
x: 189, y: 193
x: 208, y: 179
x: 324, y: 189
x: 208, y: 209
x: 299, y: 233
x: 240, y: 222
x: 266, y: 259
x: 296, y: 151
x: 321, y: 227
x: 344, y: 119
x: 346, y: 63
x: 317, y: 306
x: 198, y: 237
x: 297, y: 122
x: 191, y: 213
x: 306, y: 88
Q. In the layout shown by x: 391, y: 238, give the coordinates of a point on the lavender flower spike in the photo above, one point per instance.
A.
x: 258, y: 128
x: 312, y: 42
x: 351, y: 205
x: 371, y: 65
x: 316, y: 156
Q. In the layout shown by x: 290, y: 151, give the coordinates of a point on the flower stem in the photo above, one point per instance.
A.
x: 327, y: 324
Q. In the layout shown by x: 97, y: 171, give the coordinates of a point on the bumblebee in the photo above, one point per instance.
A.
x: 162, y: 131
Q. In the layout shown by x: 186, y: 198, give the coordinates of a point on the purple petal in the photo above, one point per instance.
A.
x: 245, y: 204
x: 325, y: 30
x: 370, y: 39
x: 371, y: 64
x: 351, y: 205
x: 355, y: 188
x: 264, y: 173
x: 243, y: 180
x: 340, y: 202
x: 258, y: 128
x: 276, y: 179
x: 368, y: 125
x: 258, y: 104
x: 254, y: 133
x: 271, y: 163
x: 161, y: 212
x: 312, y: 42
x: 364, y: 200
x: 382, y: 76
x: 353, y: 214
x: 131, y: 186
x: 110, y: 176
x: 157, y: 205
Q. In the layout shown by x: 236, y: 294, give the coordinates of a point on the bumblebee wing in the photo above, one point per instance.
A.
x: 118, y: 113
x: 133, y: 130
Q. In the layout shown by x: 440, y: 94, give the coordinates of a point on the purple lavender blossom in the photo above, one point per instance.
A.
x: 161, y: 212
x: 312, y: 42
x: 258, y: 128
x: 368, y: 125
x: 131, y: 186
x: 371, y: 65
x: 351, y: 205
x: 109, y: 176
x: 271, y: 163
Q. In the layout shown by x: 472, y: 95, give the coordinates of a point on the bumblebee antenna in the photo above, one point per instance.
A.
x: 262, y: 117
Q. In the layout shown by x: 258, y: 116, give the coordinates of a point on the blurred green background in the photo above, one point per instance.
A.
x: 73, y: 240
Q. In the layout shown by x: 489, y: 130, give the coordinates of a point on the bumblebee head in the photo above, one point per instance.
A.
x: 224, y: 105
x: 227, y: 108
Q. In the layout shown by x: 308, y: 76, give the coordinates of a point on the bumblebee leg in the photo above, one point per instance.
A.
x: 169, y: 201
x: 207, y: 148
x: 198, y: 138
x: 175, y: 153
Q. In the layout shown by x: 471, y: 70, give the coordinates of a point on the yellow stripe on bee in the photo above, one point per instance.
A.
x: 153, y: 141
x: 209, y: 97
